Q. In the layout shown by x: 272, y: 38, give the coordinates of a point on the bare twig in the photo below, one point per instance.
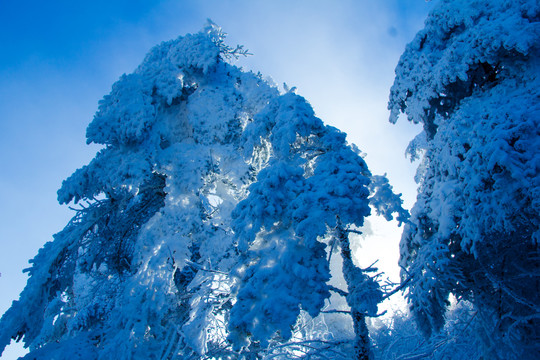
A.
x: 401, y: 286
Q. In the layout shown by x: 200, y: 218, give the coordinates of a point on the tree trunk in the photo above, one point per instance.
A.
x: 361, y: 340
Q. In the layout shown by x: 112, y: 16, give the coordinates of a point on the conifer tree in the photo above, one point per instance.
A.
x: 470, y: 77
x: 313, y: 191
x: 202, y: 226
x: 138, y: 272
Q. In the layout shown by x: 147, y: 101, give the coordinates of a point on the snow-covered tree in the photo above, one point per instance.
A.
x: 201, y: 227
x: 471, y: 78
x: 311, y: 191
x: 401, y: 338
x: 139, y: 271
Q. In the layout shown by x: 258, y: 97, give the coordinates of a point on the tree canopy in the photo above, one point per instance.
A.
x: 202, y: 226
x: 470, y: 77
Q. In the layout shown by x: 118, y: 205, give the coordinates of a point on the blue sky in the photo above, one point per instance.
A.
x: 59, y: 58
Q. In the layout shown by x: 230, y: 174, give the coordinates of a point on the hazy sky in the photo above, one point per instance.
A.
x: 59, y: 58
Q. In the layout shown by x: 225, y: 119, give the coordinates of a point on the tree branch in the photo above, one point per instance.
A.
x: 338, y: 291
x: 401, y: 286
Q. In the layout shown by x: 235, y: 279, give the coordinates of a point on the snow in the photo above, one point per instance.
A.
x: 203, y: 219
x: 171, y: 134
x: 471, y: 78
